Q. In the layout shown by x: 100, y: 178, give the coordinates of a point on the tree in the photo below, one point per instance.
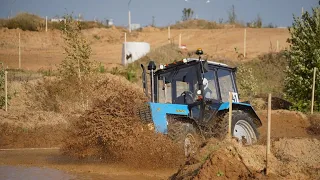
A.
x: 232, y: 15
x: 77, y: 62
x: 258, y: 21
x: 187, y: 14
x: 303, y: 56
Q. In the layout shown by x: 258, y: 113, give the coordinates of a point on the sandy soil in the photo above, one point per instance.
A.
x: 44, y: 50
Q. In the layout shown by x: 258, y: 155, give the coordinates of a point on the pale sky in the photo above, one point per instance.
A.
x: 278, y: 12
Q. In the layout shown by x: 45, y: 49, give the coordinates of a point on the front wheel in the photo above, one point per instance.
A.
x: 185, y: 134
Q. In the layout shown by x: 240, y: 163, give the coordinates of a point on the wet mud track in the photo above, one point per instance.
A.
x: 50, y: 164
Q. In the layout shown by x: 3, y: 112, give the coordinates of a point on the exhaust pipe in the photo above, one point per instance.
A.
x: 151, y: 68
x: 144, y: 81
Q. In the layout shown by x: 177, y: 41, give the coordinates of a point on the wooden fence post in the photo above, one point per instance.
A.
x: 19, y: 52
x: 230, y: 115
x: 6, y: 89
x: 268, y: 133
x: 245, y: 44
x: 180, y: 36
x: 313, y: 88
x: 46, y: 23
x: 169, y: 34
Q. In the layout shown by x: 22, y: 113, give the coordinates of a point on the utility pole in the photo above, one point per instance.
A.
x: 153, y: 21
x: 129, y: 17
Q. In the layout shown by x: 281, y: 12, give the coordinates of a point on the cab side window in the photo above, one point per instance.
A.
x: 225, y: 83
x: 210, y: 89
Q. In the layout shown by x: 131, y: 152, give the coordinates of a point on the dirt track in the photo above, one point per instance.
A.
x: 44, y: 50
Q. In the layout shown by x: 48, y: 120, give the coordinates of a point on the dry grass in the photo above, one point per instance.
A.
x: 196, y: 24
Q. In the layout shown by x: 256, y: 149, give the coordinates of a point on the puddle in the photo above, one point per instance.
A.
x: 32, y: 173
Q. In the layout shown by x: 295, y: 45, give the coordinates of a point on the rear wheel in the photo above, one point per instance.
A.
x: 185, y: 134
x: 242, y: 127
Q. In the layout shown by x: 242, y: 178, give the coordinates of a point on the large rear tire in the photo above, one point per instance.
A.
x: 242, y: 127
x: 185, y: 135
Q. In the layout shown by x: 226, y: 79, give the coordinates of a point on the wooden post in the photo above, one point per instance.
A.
x: 129, y: 21
x: 313, y: 88
x: 277, y: 45
x: 65, y: 24
x: 46, y: 23
x: 125, y: 49
x: 169, y: 34
x: 6, y: 89
x: 180, y: 40
x: 268, y: 133
x: 230, y: 115
x: 245, y: 43
x: 19, y: 52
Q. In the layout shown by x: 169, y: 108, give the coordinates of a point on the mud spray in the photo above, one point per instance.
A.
x: 111, y: 130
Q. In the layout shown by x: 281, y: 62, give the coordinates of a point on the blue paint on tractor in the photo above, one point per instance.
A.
x: 225, y: 105
x: 159, y: 113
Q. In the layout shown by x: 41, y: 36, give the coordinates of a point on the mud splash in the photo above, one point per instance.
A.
x: 111, y: 131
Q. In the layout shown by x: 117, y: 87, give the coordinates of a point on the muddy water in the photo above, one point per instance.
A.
x: 17, y: 172
x: 50, y: 164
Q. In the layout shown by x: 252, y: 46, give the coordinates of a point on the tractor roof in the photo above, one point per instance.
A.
x: 190, y: 61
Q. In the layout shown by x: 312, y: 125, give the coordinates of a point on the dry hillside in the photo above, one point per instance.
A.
x: 44, y: 50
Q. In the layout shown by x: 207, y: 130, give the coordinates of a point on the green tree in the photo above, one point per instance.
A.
x: 187, y: 14
x: 77, y: 62
x: 303, y: 56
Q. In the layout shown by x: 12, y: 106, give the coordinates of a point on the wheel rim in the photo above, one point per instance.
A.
x: 189, y: 145
x: 244, y: 132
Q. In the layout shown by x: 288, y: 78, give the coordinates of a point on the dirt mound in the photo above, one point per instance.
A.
x: 150, y: 29
x: 290, y: 159
x: 314, y: 127
x: 196, y: 24
x: 284, y: 124
x: 216, y: 160
x: 111, y: 131
x: 44, y: 136
x: 303, y: 151
x: 19, y: 129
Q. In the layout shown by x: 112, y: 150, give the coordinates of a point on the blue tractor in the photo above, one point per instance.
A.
x: 190, y: 102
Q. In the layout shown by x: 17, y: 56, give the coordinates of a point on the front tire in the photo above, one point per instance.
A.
x: 185, y: 135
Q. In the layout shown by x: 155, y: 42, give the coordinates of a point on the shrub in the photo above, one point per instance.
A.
x: 268, y: 74
x: 303, y: 57
x: 25, y: 21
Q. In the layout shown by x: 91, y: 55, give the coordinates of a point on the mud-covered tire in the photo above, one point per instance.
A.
x: 185, y: 134
x: 144, y: 113
x: 243, y: 127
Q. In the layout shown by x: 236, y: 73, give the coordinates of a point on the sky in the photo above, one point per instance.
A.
x: 165, y: 12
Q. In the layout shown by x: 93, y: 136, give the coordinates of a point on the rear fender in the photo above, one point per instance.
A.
x: 241, y: 106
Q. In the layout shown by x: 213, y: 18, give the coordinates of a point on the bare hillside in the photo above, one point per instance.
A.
x: 45, y: 50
